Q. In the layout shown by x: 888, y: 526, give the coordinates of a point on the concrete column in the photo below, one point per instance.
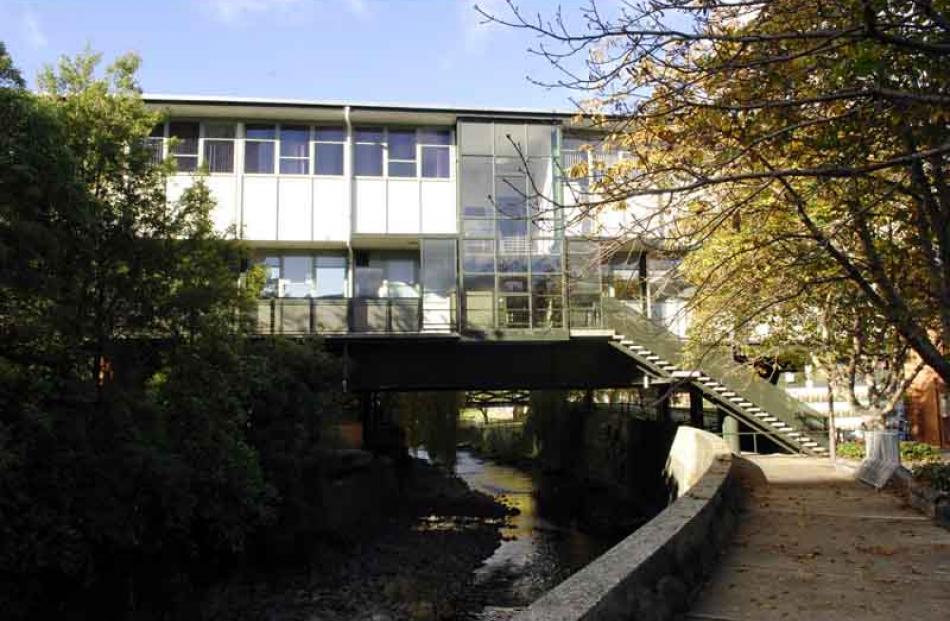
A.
x: 730, y: 432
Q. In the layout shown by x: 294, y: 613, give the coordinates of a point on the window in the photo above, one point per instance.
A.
x: 185, y: 146
x: 330, y: 276
x: 304, y: 276
x: 297, y: 277
x: 435, y: 153
x: 368, y: 160
x: 294, y: 150
x: 402, y: 153
x: 259, y: 148
x: 271, y: 287
x: 478, y: 256
x: 219, y: 147
x: 476, y: 175
x: 155, y: 144
x: 328, y: 150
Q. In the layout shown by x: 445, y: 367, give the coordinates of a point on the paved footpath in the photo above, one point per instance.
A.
x: 814, y: 544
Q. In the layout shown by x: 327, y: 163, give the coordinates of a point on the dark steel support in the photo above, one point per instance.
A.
x: 663, y: 394
x: 696, y: 407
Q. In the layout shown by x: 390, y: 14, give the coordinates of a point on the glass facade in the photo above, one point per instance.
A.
x: 512, y: 247
x: 322, y: 275
x: 508, y: 267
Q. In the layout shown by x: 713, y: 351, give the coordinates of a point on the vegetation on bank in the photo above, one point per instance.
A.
x: 146, y: 445
x: 911, y: 452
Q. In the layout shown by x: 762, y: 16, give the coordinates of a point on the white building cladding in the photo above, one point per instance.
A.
x: 378, y: 218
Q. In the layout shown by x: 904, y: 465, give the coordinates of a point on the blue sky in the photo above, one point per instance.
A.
x: 407, y: 51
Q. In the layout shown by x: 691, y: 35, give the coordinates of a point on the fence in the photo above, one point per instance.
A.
x: 297, y: 316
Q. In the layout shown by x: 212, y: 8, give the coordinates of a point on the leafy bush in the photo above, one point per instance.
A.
x: 851, y: 450
x: 918, y: 451
x: 934, y: 473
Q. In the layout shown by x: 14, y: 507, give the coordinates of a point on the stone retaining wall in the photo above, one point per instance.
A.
x: 922, y: 497
x: 651, y: 574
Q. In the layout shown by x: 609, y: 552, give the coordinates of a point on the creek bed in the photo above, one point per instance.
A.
x: 541, y: 543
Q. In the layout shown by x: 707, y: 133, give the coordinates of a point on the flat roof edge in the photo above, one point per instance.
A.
x: 205, y: 100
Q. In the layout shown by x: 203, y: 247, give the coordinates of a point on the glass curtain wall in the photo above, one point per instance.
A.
x: 512, y: 236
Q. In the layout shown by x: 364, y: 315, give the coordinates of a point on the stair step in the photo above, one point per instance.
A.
x: 692, y: 374
x: 728, y: 393
x: 719, y: 388
x: 745, y: 404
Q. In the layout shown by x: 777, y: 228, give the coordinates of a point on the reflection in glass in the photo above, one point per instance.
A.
x: 368, y: 160
x: 297, y: 276
x: 259, y: 157
x: 435, y: 162
x: 329, y: 158
x: 330, y: 276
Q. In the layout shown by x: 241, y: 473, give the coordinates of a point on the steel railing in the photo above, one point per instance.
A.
x: 298, y: 316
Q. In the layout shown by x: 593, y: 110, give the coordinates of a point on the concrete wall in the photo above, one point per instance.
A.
x: 651, y: 574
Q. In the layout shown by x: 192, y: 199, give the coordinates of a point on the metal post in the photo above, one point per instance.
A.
x: 696, y: 407
x: 313, y: 316
x: 664, y: 393
x: 273, y: 315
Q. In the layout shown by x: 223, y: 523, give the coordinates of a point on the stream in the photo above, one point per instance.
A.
x: 541, y: 545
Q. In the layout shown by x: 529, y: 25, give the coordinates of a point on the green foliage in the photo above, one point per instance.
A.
x: 911, y: 452
x: 935, y: 474
x: 431, y: 419
x: 10, y: 76
x: 145, y: 443
x: 918, y: 451
x: 851, y: 450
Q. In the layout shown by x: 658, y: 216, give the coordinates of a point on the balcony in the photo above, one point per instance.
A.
x: 435, y: 314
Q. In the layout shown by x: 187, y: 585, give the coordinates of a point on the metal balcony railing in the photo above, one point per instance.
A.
x: 300, y: 316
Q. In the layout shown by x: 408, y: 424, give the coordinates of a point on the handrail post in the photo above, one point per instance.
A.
x: 273, y: 316
x: 313, y: 311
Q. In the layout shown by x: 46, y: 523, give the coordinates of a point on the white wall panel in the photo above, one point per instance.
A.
x: 225, y: 213
x: 260, y: 208
x: 330, y: 213
x: 176, y: 185
x: 403, y: 213
x: 438, y: 207
x: 370, y: 205
x: 294, y: 209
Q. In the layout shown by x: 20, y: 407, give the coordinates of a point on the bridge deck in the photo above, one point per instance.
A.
x: 815, y: 544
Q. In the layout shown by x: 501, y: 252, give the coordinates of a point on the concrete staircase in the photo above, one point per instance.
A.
x: 733, y: 387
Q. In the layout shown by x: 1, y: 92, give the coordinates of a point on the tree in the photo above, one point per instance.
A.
x: 831, y: 116
x: 10, y: 76
x: 778, y: 301
x: 124, y: 450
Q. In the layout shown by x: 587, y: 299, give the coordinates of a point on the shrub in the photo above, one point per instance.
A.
x: 934, y: 473
x: 851, y: 450
x: 918, y: 451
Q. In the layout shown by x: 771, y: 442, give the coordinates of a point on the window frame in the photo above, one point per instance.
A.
x: 315, y: 141
x: 198, y: 145
x: 272, y: 141
x: 306, y: 158
x: 204, y: 140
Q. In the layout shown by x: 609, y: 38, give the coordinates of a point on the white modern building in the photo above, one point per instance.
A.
x: 384, y: 218
x: 456, y: 223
